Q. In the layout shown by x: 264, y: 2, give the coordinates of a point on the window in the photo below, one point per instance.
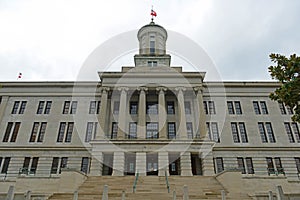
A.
x: 132, y: 130
x: 260, y: 107
x: 41, y: 110
x: 152, y: 130
x: 187, y: 107
x: 65, y: 132
x: 48, y: 107
x: 66, y: 107
x: 36, y: 133
x: 152, y: 108
x: 16, y: 107
x: 152, y: 63
x: 55, y: 163
x: 114, y: 130
x: 94, y: 107
x: 11, y: 132
x: 30, y: 165
x: 171, y: 130
x: 5, y: 165
x: 285, y: 109
x: 133, y: 108
x: 170, y: 108
x: 40, y: 107
x: 213, y: 131
x: 85, y: 163
x: 241, y: 165
x: 189, y: 128
x: 234, y: 107
x: 239, y: 132
x: 297, y: 161
x: 152, y: 44
x: 91, y: 130
x: 266, y: 132
x: 209, y: 107
x: 271, y: 167
x: 116, y: 107
x: 249, y: 165
x: 73, y: 107
x: 292, y: 131
x: 219, y: 166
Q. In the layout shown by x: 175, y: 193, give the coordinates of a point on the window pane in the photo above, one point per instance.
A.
x: 270, y: 132
x: 270, y: 165
x: 15, y: 108
x: 170, y: 108
x: 219, y: 163
x: 22, y: 108
x: 189, y: 127
x: 238, y: 108
x: 171, y: 130
x: 249, y: 164
x: 34, y: 165
x: 34, y: 132
x: 235, y: 134
x: 85, y: 165
x: 256, y: 107
x: 69, y: 132
x: 66, y: 107
x: 132, y: 130
x: 7, y: 132
x: 15, y: 132
x: 230, y: 107
x: 5, y: 165
x: 205, y: 107
x: 289, y: 132
x: 187, y: 107
x: 42, y: 132
x: 92, y: 107
x: 73, y: 107
x: 278, y: 164
x: 133, y: 108
x: 241, y: 165
x: 40, y: 107
x: 263, y: 106
x: 89, y: 132
x: 48, y: 107
x: 215, y: 131
x: 152, y: 108
x: 243, y: 132
x: 116, y: 107
x: 262, y: 132
x: 61, y: 132
x: 296, y: 131
x: 114, y: 130
x: 54, y: 165
x: 282, y: 109
x: 211, y: 107
x: 152, y: 130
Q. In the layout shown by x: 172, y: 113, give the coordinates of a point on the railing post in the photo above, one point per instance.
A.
x: 185, y: 192
x: 167, y: 181
x: 135, y: 182
x: 174, y: 195
x: 271, y: 195
x: 223, y: 194
x: 28, y: 195
x: 105, y: 193
x: 123, y: 195
x: 75, y: 195
x: 10, y: 195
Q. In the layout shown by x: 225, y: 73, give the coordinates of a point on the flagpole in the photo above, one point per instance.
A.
x: 152, y: 15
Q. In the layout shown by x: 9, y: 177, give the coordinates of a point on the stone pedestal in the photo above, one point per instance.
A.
x: 119, y: 164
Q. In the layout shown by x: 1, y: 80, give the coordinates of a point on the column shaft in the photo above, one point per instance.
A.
x: 119, y: 164
x: 182, y: 132
x: 122, y: 113
x: 162, y: 116
x: 185, y: 164
x: 201, y: 132
x: 163, y: 163
x: 141, y: 163
x: 101, y: 132
x: 141, y: 129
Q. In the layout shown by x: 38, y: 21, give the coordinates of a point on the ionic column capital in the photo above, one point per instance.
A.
x: 143, y: 88
x: 180, y: 89
x: 105, y: 89
x: 123, y: 89
x: 198, y: 89
x: 161, y: 89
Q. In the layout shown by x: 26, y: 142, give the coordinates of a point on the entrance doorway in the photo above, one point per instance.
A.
x: 196, y: 164
x: 130, y: 160
x: 152, y: 164
x: 107, y: 167
x: 174, y: 163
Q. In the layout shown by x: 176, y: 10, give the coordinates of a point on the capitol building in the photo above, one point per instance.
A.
x: 151, y: 131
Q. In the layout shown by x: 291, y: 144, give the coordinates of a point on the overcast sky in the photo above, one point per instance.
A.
x: 49, y: 40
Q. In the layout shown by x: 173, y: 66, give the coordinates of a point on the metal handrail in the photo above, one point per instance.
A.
x: 167, y: 181
x: 135, y: 182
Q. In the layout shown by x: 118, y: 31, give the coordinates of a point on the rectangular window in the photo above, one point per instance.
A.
x: 189, y: 128
x: 63, y: 163
x: 230, y: 107
x: 69, y: 132
x: 270, y: 165
x: 171, y: 130
x: 116, y: 107
x: 133, y: 108
x: 289, y: 110
x: 256, y: 107
x: 152, y: 130
x: 92, y: 109
x: 132, y: 130
x: 89, y: 131
x: 42, y: 132
x: 170, y: 108
x: 270, y: 132
x: 34, y: 131
x: 152, y: 108
x: 114, y: 130
x: 34, y: 165
x: 5, y: 165
x: 187, y: 107
x: 40, y: 107
x: 243, y: 132
x: 219, y: 164
x: 235, y: 134
x: 61, y: 132
x: 152, y: 44
x: 282, y: 108
x: 66, y: 107
x: 215, y: 131
x: 211, y: 107
x: 296, y: 131
x: 238, y: 108
x: 85, y: 165
x: 48, y: 107
x: 289, y: 132
x: 278, y: 165
x: 249, y: 165
x: 263, y: 107
x: 26, y: 164
x: 208, y: 131
x: 297, y: 161
x: 152, y: 63
x: 8, y: 131
x: 262, y: 132
x: 54, y: 166
x: 205, y: 107
x: 266, y: 132
x: 241, y: 165
x: 73, y: 107
x: 22, y: 108
x: 15, y: 132
x: 15, y: 107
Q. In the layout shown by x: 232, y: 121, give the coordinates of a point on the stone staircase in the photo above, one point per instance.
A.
x: 148, y: 188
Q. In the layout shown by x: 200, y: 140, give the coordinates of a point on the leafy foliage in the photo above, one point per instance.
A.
x: 287, y: 71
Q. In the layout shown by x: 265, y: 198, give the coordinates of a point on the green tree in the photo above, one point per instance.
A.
x: 287, y: 71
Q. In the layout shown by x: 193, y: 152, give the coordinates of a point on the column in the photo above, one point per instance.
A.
x: 96, y: 164
x: 182, y: 132
x: 3, y: 105
x: 201, y: 132
x: 162, y: 116
x: 141, y: 163
x: 186, y: 164
x: 163, y: 163
x: 141, y: 129
x: 119, y: 163
x: 102, y: 114
x: 207, y: 161
x: 122, y: 113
